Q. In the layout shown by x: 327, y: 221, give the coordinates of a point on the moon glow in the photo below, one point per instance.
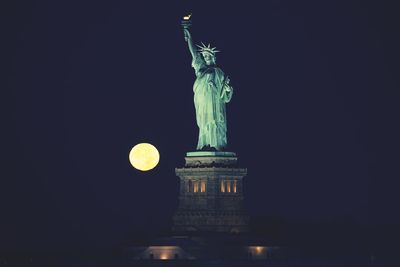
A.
x: 144, y: 156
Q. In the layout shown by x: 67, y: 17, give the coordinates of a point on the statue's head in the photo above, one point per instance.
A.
x: 208, y: 53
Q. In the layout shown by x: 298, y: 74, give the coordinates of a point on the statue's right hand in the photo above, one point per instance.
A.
x: 187, y: 34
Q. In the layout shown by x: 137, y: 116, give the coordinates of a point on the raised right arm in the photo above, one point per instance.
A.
x: 188, y: 38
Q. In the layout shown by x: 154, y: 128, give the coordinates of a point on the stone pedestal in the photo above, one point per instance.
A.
x: 211, y: 194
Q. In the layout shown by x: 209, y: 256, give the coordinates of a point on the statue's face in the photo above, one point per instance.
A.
x: 209, y: 58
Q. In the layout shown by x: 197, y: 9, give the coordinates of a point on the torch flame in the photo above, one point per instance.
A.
x: 187, y: 17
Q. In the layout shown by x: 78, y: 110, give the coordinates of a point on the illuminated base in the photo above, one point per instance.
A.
x: 206, y: 248
x: 211, y: 194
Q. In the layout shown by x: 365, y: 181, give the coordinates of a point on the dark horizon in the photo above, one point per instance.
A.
x: 314, y: 116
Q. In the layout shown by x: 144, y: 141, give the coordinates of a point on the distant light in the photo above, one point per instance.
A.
x: 164, y: 257
x: 164, y: 252
x: 259, y: 250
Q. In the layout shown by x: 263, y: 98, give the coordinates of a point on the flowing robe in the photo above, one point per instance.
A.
x: 210, y: 96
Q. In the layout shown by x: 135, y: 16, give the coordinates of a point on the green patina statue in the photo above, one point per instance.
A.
x: 212, y: 91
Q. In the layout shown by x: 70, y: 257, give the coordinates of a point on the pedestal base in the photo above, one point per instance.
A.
x: 211, y: 194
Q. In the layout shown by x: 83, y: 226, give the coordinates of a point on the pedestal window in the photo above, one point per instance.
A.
x: 228, y: 186
x: 203, y: 186
x: 196, y: 186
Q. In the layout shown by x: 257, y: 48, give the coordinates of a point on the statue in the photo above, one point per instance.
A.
x: 212, y: 90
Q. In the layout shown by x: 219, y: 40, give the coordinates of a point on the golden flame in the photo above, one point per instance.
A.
x: 187, y: 17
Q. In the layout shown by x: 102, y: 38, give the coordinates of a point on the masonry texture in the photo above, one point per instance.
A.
x: 211, y: 195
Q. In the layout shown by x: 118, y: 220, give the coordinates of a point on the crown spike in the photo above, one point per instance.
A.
x: 207, y: 49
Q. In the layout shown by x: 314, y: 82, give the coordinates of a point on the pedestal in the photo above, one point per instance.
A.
x: 211, y: 194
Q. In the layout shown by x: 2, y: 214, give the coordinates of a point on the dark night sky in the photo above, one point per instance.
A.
x: 314, y: 116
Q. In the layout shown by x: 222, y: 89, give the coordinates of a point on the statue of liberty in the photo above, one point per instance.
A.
x: 212, y: 91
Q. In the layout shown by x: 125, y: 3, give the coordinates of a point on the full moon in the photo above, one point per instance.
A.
x: 144, y: 156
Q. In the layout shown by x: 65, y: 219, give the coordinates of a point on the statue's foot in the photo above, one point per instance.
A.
x: 208, y: 148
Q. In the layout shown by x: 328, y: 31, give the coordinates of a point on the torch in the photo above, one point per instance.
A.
x: 186, y: 23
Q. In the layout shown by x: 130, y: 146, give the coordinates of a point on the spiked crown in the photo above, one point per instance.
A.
x: 207, y: 49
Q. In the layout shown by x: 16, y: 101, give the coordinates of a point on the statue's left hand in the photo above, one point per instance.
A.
x: 227, y: 85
